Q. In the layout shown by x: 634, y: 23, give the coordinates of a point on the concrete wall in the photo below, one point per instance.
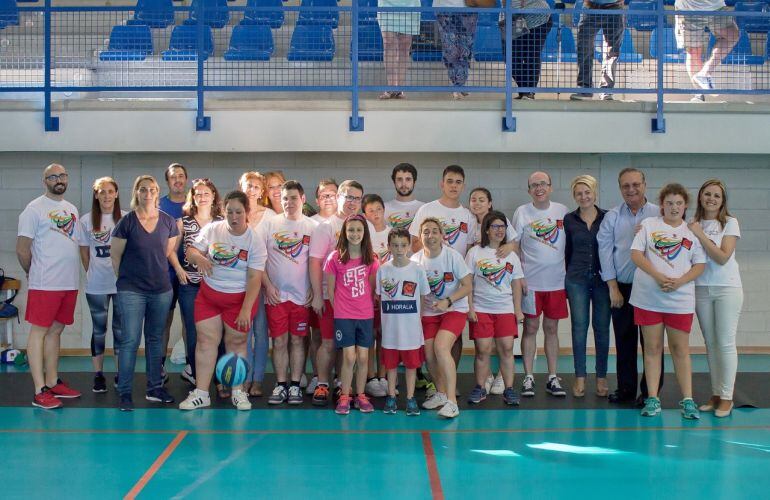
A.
x: 747, y: 176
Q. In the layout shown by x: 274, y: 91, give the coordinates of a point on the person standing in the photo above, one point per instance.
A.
x: 397, y: 28
x: 616, y: 233
x: 718, y: 292
x: 612, y: 27
x: 526, y: 62
x: 273, y: 183
x: 48, y: 251
x: 457, y: 31
x: 400, y: 211
x: 584, y: 284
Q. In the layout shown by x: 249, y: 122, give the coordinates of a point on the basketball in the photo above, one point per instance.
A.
x: 231, y: 370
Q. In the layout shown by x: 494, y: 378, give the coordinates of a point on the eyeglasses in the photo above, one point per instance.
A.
x: 537, y: 185
x: 57, y: 177
x: 327, y: 196
x: 352, y: 199
x: 497, y: 227
x: 635, y: 185
x: 145, y: 190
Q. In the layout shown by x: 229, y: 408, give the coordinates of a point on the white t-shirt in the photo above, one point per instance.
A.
x: 444, y: 274
x: 319, y: 218
x: 459, y: 224
x: 323, y: 242
x: 449, y: 3
x: 541, y: 236
x: 400, y: 214
x: 510, y: 232
x: 699, y: 4
x: 380, y: 243
x: 714, y: 274
x: 288, y: 252
x: 100, y: 278
x: 230, y: 255
x: 493, y: 280
x: 55, y: 232
x: 401, y: 290
x: 672, y: 251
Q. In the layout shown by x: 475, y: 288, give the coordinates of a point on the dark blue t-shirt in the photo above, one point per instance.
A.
x: 144, y: 266
x: 174, y: 209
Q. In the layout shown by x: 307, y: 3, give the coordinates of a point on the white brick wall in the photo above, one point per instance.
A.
x: 747, y: 176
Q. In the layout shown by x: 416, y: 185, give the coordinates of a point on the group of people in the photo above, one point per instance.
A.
x: 457, y: 32
x: 360, y: 286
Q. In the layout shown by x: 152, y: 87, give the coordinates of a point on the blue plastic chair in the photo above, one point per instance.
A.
x: 273, y: 18
x: 671, y: 53
x: 551, y: 48
x: 128, y: 43
x: 183, y: 45
x: 9, y: 12
x: 369, y: 16
x: 311, y: 42
x: 741, y: 53
x: 640, y: 22
x: 251, y: 42
x: 487, y: 44
x: 215, y: 13
x: 627, y: 52
x: 753, y: 24
x: 489, y: 18
x: 154, y: 13
x: 369, y: 42
x: 319, y: 17
x: 429, y: 15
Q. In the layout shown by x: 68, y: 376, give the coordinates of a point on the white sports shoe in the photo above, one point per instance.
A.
x: 312, y: 385
x: 450, y: 410
x: 374, y: 389
x: 241, y: 400
x: 303, y: 381
x: 187, y: 375
x: 195, y: 399
x: 498, y: 386
x: 436, y: 401
x: 488, y: 383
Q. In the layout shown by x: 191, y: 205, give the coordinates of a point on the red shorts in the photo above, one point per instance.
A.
x: 287, y: 317
x: 643, y: 317
x: 552, y: 304
x: 493, y: 326
x: 210, y: 303
x: 452, y: 321
x: 412, y: 358
x: 326, y: 322
x: 312, y: 318
x: 44, y: 307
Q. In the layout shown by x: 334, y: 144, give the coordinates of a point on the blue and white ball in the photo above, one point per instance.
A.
x: 231, y: 370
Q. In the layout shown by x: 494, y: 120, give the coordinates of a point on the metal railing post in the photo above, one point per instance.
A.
x: 356, y: 122
x: 659, y: 122
x: 202, y: 122
x: 509, y: 122
x: 51, y: 122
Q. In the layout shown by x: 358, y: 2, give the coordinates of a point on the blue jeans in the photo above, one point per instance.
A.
x: 580, y: 296
x: 186, y: 297
x: 150, y: 309
x: 257, y: 344
x: 100, y: 306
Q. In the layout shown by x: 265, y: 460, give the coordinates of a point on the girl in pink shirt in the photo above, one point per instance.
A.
x: 352, y: 270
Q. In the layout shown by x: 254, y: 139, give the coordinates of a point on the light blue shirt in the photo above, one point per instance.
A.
x: 615, y: 237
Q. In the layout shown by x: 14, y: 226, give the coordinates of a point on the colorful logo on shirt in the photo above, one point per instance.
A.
x: 547, y: 229
x: 383, y: 254
x: 389, y: 286
x: 436, y: 283
x: 453, y: 229
x: 408, y: 289
x: 668, y: 245
x: 101, y: 236
x: 494, y: 271
x: 224, y: 254
x: 290, y: 243
x: 398, y: 220
x: 64, y: 221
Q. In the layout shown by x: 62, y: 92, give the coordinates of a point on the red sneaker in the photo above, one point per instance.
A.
x: 46, y: 400
x: 62, y: 390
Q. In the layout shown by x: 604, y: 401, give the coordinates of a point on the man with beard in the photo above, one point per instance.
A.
x: 48, y: 251
x: 400, y: 211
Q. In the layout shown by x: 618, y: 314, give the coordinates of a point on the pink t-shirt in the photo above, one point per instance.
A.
x: 352, y: 289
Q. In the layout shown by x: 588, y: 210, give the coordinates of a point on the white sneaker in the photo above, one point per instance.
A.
x: 437, y: 400
x: 303, y: 381
x: 195, y: 399
x: 450, y: 410
x: 241, y: 400
x: 187, y: 375
x: 606, y: 97
x: 488, y: 383
x: 374, y: 389
x: 498, y: 386
x: 312, y: 385
x: 703, y: 80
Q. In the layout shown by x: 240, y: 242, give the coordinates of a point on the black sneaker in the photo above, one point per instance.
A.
x: 115, y: 385
x: 159, y: 395
x: 126, y: 403
x: 528, y: 387
x: 100, y: 383
x: 279, y: 395
x: 553, y: 387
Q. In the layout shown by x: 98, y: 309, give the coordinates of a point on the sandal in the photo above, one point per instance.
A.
x: 390, y: 94
x: 223, y: 392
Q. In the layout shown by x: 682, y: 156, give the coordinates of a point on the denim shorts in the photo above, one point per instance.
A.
x: 353, y: 332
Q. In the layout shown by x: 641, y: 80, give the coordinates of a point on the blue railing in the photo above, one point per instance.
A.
x: 86, y: 62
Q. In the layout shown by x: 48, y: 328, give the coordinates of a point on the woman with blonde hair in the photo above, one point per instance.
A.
x: 254, y: 185
x: 272, y: 197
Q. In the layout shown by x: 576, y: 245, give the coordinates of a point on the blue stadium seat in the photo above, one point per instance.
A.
x: 215, y: 13
x: 251, y: 42
x: 487, y: 45
x: 671, y: 53
x: 273, y: 18
x: 753, y: 24
x: 427, y: 45
x: 369, y: 16
x: 311, y: 42
x: 154, y: 13
x: 551, y: 49
x: 554, y: 17
x: 741, y: 53
x: 640, y: 22
x: 128, y: 43
x: 9, y: 12
x: 369, y: 42
x: 319, y: 17
x: 183, y: 45
x: 426, y: 16
x: 489, y: 18
x: 627, y: 52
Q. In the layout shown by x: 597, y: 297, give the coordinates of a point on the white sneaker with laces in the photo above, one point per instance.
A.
x: 195, y: 399
x: 488, y: 383
x: 241, y: 400
x: 374, y: 389
x: 312, y: 385
x: 187, y: 375
x: 703, y: 80
x: 303, y: 381
x: 498, y: 386
x: 436, y: 401
x: 449, y: 410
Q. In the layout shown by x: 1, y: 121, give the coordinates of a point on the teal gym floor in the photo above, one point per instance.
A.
x: 308, y: 454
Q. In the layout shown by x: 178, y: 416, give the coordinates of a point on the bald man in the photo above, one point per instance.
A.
x: 48, y: 251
